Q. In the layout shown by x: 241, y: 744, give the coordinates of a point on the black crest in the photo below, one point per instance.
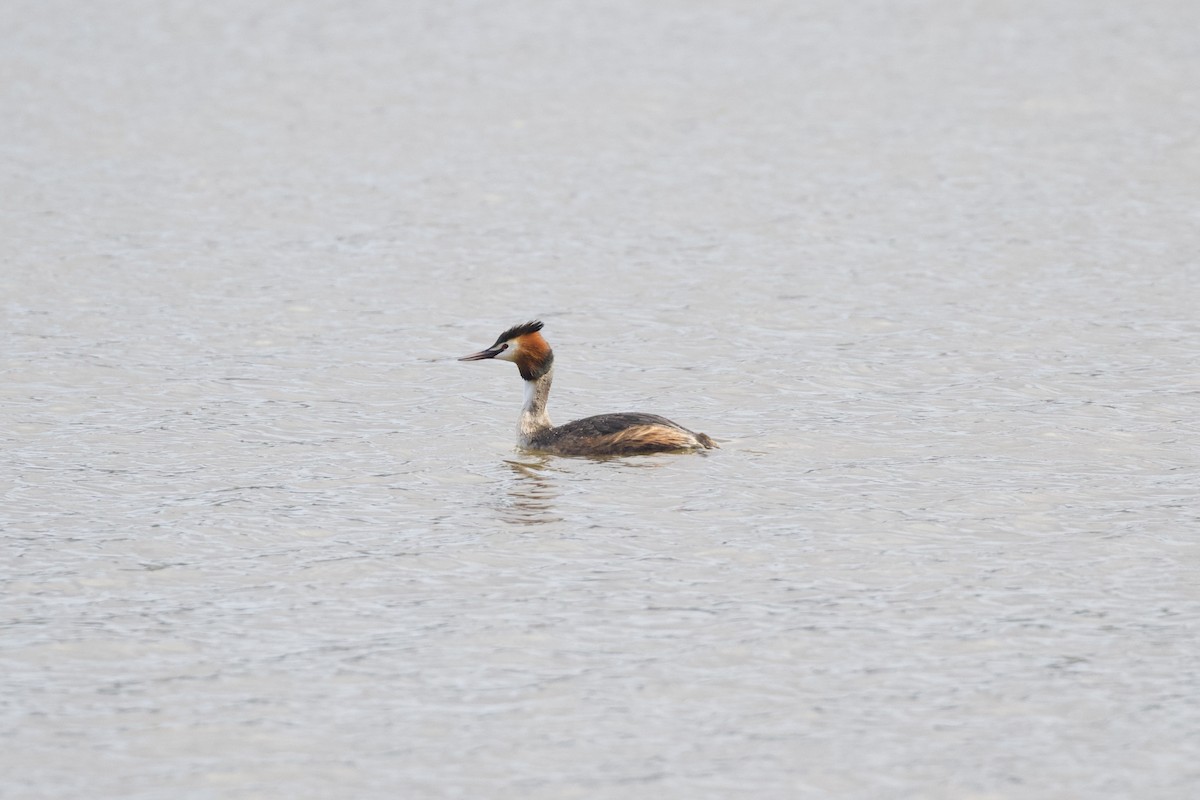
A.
x: 519, y: 330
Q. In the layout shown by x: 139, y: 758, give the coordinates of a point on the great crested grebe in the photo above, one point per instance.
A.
x: 627, y: 433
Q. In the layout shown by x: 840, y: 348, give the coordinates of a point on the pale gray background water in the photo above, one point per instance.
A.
x: 927, y: 270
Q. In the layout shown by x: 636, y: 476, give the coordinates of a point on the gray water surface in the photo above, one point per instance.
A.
x: 926, y: 270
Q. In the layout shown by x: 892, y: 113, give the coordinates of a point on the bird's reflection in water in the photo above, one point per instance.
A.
x: 531, y: 493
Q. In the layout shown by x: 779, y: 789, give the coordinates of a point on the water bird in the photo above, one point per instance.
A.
x: 621, y: 434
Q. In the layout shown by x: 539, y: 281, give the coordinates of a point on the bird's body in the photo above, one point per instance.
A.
x: 626, y: 433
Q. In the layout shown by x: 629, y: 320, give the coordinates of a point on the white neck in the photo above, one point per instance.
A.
x: 534, y: 418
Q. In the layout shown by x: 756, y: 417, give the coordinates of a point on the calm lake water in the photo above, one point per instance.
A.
x: 927, y: 271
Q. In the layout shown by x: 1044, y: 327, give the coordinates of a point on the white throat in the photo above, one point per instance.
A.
x: 534, y: 418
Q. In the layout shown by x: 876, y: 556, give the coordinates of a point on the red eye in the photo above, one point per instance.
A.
x: 504, y: 346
